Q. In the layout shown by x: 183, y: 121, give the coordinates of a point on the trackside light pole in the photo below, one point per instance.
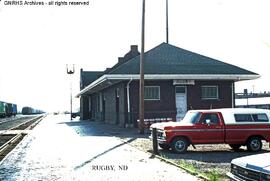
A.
x: 141, y: 114
x: 167, y: 23
x: 70, y: 72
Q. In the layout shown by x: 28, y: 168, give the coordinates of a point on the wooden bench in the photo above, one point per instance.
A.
x: 149, y: 122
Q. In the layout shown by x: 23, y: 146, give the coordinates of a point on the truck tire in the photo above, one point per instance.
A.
x: 235, y: 146
x: 164, y: 146
x: 254, y: 144
x: 179, y: 145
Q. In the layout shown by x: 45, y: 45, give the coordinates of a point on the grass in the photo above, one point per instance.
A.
x: 212, y: 176
x: 188, y: 166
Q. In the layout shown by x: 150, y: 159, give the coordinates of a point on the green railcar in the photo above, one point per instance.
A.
x: 2, y: 109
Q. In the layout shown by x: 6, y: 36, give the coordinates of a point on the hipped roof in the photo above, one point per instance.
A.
x: 168, y: 62
x: 169, y: 59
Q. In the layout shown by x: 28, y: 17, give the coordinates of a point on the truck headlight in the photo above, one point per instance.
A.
x: 161, y: 135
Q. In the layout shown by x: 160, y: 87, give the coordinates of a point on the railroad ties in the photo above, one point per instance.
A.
x: 11, y: 137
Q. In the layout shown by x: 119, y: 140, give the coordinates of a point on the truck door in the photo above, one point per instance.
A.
x: 211, y: 129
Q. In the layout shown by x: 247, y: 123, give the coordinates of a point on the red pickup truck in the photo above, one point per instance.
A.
x: 236, y: 127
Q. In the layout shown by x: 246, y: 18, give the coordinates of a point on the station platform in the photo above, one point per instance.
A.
x: 60, y: 149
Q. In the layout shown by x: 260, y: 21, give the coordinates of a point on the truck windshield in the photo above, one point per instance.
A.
x: 191, y: 117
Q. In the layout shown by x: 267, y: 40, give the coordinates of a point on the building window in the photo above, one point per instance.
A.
x: 151, y: 93
x: 209, y: 92
x: 180, y: 90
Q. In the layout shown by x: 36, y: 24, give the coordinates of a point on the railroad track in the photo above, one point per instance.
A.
x: 9, y: 141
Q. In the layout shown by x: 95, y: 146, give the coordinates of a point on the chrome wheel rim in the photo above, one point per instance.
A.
x: 255, y: 144
x: 180, y: 145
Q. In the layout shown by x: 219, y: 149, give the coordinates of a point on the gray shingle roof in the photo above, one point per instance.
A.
x: 168, y: 59
x: 87, y: 77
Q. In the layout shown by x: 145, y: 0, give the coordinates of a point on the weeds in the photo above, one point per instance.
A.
x: 188, y: 166
x: 211, y: 176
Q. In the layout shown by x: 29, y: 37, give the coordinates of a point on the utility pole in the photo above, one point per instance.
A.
x: 70, y: 72
x: 141, y: 114
x: 167, y: 23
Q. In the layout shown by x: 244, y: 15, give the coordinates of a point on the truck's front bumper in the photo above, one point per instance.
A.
x: 161, y: 138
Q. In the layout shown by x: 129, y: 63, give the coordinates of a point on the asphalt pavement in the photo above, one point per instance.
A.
x: 60, y: 149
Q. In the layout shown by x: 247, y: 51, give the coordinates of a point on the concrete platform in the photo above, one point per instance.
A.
x: 58, y: 149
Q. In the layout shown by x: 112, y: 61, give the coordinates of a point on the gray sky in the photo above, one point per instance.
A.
x: 36, y: 42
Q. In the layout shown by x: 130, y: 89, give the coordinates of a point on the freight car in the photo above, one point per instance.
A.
x: 27, y: 110
x: 14, y: 109
x: 8, y: 107
x: 30, y: 110
x: 2, y: 109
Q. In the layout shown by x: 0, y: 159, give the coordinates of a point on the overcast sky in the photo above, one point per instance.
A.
x: 36, y: 42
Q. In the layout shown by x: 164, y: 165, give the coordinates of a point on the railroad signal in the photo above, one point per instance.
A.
x: 70, y: 72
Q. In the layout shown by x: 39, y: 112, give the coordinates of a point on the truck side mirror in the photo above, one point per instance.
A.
x: 208, y: 121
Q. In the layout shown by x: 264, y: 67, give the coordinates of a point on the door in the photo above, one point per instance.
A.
x: 117, y: 105
x: 181, y: 102
x: 103, y: 109
x: 90, y: 107
x: 211, y: 129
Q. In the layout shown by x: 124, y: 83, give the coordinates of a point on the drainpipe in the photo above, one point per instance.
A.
x: 233, y: 98
x: 128, y: 103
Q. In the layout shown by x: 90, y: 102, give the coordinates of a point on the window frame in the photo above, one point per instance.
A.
x: 260, y: 120
x: 210, y: 98
x: 251, y: 115
x: 185, y: 87
x: 148, y: 99
x: 203, y: 118
x: 247, y: 115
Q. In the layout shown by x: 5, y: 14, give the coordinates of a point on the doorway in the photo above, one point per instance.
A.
x: 180, y: 102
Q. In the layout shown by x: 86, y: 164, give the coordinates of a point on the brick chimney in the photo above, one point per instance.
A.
x: 134, y: 48
x: 132, y: 53
x: 121, y: 59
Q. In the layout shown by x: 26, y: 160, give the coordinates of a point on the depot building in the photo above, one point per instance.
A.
x: 176, y: 80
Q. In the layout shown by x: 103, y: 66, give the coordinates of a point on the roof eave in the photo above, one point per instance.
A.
x: 233, y: 77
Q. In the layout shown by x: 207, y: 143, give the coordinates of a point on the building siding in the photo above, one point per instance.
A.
x: 84, y: 105
x: 96, y: 114
x: 108, y: 111
x: 195, y: 100
x: 163, y: 108
x: 110, y: 108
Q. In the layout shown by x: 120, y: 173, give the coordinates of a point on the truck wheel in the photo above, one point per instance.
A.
x: 254, y: 144
x: 164, y: 146
x: 235, y: 146
x: 179, y: 145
